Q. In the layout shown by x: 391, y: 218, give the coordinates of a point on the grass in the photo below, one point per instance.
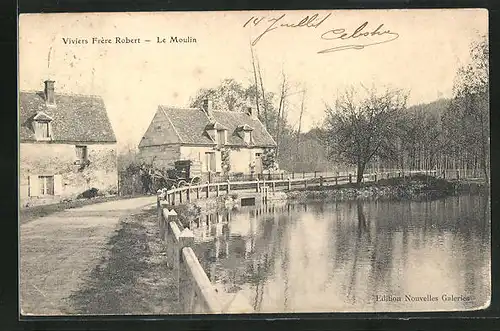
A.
x: 30, y: 213
x: 414, y: 187
x: 132, y: 278
x: 430, y: 182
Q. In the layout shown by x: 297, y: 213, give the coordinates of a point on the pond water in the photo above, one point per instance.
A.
x: 351, y: 256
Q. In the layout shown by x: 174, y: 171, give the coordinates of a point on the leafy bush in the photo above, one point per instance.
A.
x: 88, y: 194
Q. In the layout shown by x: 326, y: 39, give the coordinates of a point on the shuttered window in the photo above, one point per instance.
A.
x: 81, y: 153
x: 210, y: 161
x: 46, y: 185
x: 42, y: 130
x: 248, y: 137
x: 222, y: 137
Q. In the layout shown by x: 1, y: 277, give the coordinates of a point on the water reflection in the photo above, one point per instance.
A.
x: 342, y: 256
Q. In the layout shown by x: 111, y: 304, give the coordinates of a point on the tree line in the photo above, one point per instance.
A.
x: 371, y: 128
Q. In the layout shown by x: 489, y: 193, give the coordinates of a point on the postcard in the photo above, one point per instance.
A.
x: 246, y: 162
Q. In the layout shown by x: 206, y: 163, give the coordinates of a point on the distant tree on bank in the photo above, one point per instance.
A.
x: 466, y: 121
x: 363, y: 124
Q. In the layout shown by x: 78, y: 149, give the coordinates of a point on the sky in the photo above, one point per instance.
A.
x: 420, y: 52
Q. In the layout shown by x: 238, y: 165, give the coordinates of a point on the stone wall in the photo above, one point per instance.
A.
x: 59, y: 160
x: 197, y: 153
x: 161, y: 156
x: 240, y: 158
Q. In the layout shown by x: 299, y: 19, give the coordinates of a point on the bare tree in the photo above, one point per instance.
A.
x: 361, y: 127
x: 255, y: 82
x: 284, y: 90
x: 467, y: 119
x: 299, y: 129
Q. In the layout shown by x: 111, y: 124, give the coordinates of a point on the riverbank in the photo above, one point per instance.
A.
x: 418, y: 187
x: 132, y: 277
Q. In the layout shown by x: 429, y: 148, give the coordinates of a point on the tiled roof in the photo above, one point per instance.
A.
x: 75, y: 118
x: 245, y: 127
x: 41, y: 116
x: 188, y: 126
x: 216, y: 126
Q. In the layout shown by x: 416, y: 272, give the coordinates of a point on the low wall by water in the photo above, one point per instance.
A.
x: 195, y: 293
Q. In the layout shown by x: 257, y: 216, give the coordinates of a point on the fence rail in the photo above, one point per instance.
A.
x: 194, y: 291
x: 191, y: 192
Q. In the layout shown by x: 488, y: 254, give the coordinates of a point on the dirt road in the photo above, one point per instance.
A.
x: 60, y: 253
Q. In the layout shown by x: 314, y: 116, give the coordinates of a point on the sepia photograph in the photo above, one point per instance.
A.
x: 248, y: 162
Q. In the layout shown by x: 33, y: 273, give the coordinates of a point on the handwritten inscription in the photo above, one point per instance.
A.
x: 363, y: 36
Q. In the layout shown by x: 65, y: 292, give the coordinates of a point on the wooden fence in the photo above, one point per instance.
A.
x: 195, y: 192
x: 194, y: 291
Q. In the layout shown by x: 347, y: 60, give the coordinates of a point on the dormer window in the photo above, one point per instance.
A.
x: 246, y: 133
x: 247, y: 137
x: 217, y: 132
x: 221, y: 137
x: 42, y: 126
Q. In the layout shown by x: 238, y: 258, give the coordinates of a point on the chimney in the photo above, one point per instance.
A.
x: 207, y: 106
x: 49, y: 93
x: 251, y: 111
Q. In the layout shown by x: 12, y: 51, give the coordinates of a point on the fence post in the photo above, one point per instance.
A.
x: 208, y: 188
x: 188, y: 193
x: 303, y: 174
x: 186, y: 239
x: 197, y: 192
x: 158, y: 208
x: 320, y: 180
x: 217, y: 187
x: 350, y: 178
x: 180, y: 195
x: 257, y: 187
x: 375, y: 177
x: 169, y: 245
x: 161, y: 220
x: 281, y: 176
x: 305, y: 183
x: 458, y: 174
x: 336, y: 180
x: 289, y: 184
x: 269, y: 175
x: 315, y: 173
x: 273, y: 186
x: 444, y: 174
x: 293, y: 175
x: 228, y: 186
x: 173, y: 198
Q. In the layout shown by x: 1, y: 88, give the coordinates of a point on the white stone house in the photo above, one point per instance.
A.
x: 66, y: 146
x: 200, y: 135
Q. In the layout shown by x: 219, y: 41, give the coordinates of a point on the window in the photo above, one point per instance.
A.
x: 81, y: 154
x: 45, y: 129
x: 221, y: 139
x: 46, y: 185
x: 248, y: 137
x: 210, y: 162
x: 42, y: 130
